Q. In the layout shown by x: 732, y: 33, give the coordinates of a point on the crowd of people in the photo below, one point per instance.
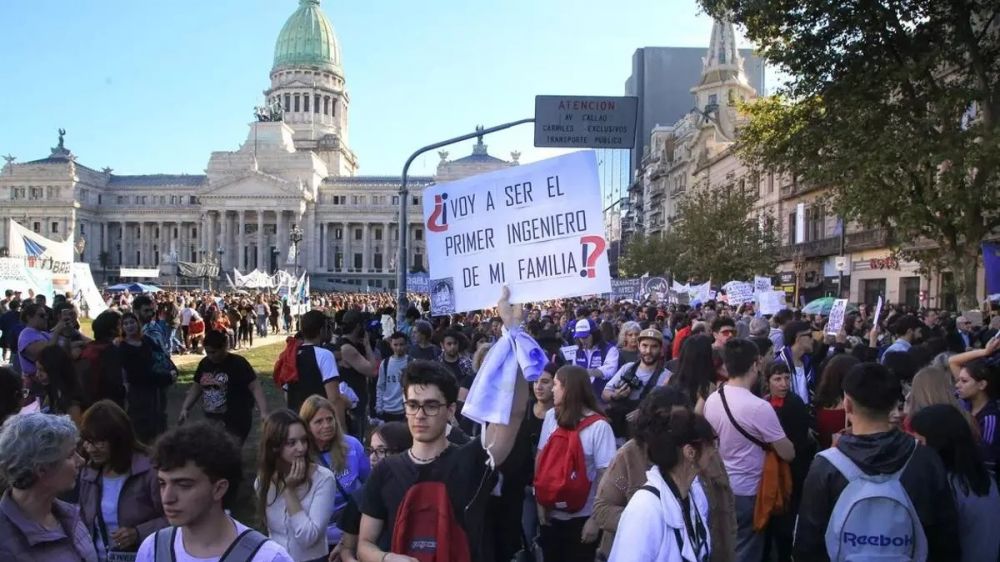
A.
x: 572, y: 430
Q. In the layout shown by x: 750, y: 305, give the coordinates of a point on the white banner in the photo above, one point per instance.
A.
x: 771, y: 301
x: 85, y: 291
x: 739, y: 293
x: 761, y: 284
x: 39, y: 252
x: 139, y: 272
x: 837, y: 313
x: 536, y: 228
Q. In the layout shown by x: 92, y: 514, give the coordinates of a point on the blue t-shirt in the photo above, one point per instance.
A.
x: 355, y: 473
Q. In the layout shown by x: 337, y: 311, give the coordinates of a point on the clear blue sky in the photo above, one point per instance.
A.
x: 155, y: 87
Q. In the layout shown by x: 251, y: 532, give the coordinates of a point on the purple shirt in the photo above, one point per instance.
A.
x: 23, y: 539
x: 29, y: 336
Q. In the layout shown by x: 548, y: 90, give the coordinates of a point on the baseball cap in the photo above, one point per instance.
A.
x: 582, y: 328
x: 651, y: 334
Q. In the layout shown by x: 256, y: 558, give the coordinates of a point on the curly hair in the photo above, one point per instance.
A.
x: 209, y: 447
x: 29, y: 442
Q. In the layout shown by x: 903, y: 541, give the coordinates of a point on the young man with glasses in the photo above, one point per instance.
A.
x: 431, y: 393
x: 723, y: 330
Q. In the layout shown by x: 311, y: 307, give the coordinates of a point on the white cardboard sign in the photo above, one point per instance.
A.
x: 739, y: 292
x: 837, y: 312
x: 536, y: 228
x: 771, y: 301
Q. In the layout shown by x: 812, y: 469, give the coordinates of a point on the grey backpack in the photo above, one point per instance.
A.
x: 243, y: 549
x: 873, y: 519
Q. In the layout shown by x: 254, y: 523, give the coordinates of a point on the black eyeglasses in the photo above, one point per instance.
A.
x: 379, y: 452
x: 430, y: 409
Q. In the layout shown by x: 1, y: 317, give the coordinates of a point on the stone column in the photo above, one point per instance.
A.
x: 261, y: 257
x: 311, y: 238
x: 348, y: 250
x: 323, y: 258
x: 366, y: 259
x: 281, y: 238
x: 227, y: 256
x: 203, y: 235
x: 241, y: 250
x: 163, y: 243
x: 386, y: 252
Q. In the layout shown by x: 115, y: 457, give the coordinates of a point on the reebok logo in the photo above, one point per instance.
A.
x: 876, y: 540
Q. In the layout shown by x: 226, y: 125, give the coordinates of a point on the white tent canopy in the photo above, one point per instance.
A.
x: 256, y: 279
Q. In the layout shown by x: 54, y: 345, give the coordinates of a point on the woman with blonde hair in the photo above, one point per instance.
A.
x: 295, y: 495
x: 934, y: 385
x: 337, y: 451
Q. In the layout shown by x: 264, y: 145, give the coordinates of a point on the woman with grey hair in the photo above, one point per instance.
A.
x: 628, y: 343
x: 39, y: 461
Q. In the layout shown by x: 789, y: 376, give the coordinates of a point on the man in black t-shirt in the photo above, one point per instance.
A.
x: 228, y: 387
x: 431, y: 393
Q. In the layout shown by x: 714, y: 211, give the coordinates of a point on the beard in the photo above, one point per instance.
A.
x: 648, y: 360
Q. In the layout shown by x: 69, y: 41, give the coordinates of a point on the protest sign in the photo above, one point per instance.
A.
x: 878, y: 311
x: 654, y: 288
x: 416, y: 282
x: 569, y: 352
x: 836, y: 321
x: 762, y: 284
x: 536, y: 228
x: 771, y: 301
x: 626, y: 288
x: 701, y: 293
x: 680, y: 287
x: 739, y: 293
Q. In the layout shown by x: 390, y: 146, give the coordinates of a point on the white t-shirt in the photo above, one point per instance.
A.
x: 598, y: 449
x: 642, y: 373
x: 269, y: 551
x: 111, y: 490
x: 799, y: 384
x: 327, y: 363
x: 186, y: 313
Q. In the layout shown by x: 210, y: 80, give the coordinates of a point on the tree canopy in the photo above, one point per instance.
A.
x: 714, y: 235
x: 894, y: 106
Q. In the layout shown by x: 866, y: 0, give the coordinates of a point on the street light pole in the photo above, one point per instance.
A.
x: 404, y: 194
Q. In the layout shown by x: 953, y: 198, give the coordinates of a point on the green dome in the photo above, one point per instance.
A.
x: 307, y: 39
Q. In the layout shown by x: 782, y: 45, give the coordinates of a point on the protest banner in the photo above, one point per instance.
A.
x: 837, y: 312
x: 41, y: 253
x: 654, y: 288
x: 771, y: 301
x: 878, y: 311
x: 762, y: 284
x: 536, y: 228
x: 417, y: 282
x: 85, y: 291
x: 680, y: 287
x: 626, y: 288
x: 701, y: 293
x: 739, y: 293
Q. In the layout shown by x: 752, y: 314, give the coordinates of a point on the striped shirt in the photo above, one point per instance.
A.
x: 988, y: 420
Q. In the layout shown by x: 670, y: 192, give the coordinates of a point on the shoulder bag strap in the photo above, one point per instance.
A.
x: 245, y: 547
x: 163, y: 545
x: 650, y: 384
x: 340, y: 488
x: 101, y: 528
x: 743, y: 432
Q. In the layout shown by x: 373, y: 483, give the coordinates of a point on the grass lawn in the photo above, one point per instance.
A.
x: 262, y: 359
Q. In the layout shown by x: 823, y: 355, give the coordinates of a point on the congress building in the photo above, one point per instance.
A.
x: 295, y: 169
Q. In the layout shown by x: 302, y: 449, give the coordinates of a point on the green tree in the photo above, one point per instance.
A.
x: 644, y: 255
x: 714, y: 235
x: 717, y: 236
x: 894, y: 106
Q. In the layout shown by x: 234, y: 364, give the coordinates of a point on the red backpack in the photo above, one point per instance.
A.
x: 426, y: 527
x: 285, y: 369
x: 561, y: 480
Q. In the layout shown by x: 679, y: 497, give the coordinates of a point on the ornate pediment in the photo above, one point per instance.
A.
x: 256, y: 185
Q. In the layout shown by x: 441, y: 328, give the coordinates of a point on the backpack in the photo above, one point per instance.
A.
x: 285, y: 371
x: 561, y: 480
x: 426, y: 527
x: 243, y: 549
x: 873, y: 518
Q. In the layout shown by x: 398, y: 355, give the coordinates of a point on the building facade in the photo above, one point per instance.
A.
x: 818, y: 252
x: 298, y: 171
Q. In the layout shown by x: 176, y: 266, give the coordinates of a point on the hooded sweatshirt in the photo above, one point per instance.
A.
x: 924, y: 480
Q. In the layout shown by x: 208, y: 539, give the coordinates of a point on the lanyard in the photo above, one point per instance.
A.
x: 695, y: 530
